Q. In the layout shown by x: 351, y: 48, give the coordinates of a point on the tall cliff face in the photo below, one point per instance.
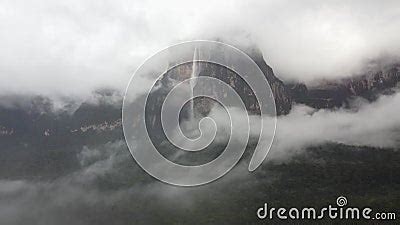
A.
x: 203, y: 105
x: 330, y: 94
x: 282, y: 94
x: 32, y: 117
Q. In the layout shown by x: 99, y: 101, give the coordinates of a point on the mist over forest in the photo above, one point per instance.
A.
x: 333, y: 67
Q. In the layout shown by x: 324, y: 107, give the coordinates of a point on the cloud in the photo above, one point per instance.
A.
x: 71, y: 48
x: 78, y: 197
x: 107, y: 183
x: 373, y: 125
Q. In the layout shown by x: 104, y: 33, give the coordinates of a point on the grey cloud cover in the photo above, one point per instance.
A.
x: 72, y: 47
x: 373, y: 125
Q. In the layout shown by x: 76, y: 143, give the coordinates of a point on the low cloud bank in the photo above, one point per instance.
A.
x: 109, y: 187
x: 376, y: 125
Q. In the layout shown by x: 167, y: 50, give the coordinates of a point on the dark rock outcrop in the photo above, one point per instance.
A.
x: 282, y: 95
x: 331, y: 94
x: 33, y: 117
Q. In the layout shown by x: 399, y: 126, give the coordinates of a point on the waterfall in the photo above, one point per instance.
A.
x: 195, y: 73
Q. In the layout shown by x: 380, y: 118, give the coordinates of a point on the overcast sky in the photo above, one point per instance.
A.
x: 71, y: 47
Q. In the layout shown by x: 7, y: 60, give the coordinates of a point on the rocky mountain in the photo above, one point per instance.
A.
x: 71, y: 160
x: 38, y: 129
x: 337, y: 93
x: 34, y: 117
x: 282, y: 94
